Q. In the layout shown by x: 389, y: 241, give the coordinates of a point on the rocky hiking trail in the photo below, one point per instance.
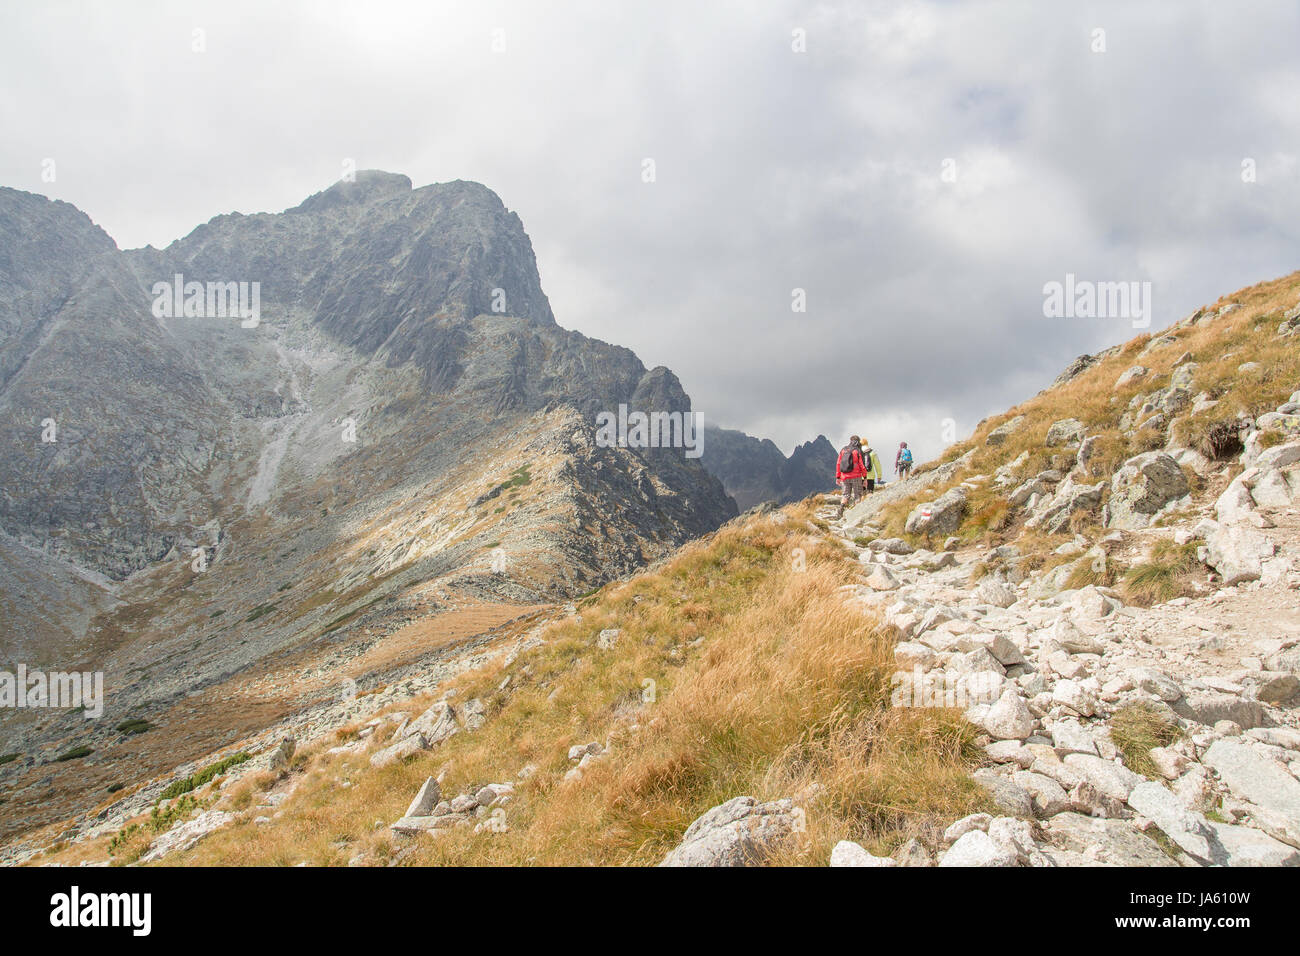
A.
x: 1051, y: 672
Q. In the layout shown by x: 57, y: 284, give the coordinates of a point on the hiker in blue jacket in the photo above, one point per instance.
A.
x: 903, y: 461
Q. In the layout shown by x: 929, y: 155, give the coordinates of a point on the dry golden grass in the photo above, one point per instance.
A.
x: 1218, y: 346
x: 763, y: 684
x: 1088, y: 571
x: 1136, y: 729
x: 1169, y: 572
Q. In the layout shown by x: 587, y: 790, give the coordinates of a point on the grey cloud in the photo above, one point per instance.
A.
x: 775, y: 169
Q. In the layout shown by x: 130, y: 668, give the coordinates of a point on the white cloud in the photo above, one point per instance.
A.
x: 776, y: 169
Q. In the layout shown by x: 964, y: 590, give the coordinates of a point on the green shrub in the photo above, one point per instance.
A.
x: 122, y: 837
x: 203, y: 776
x: 76, y: 753
x: 161, y: 818
x: 260, y: 611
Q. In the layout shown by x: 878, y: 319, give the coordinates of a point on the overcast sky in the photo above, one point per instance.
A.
x: 775, y: 169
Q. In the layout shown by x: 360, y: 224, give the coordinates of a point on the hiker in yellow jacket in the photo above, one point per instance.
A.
x: 875, y: 473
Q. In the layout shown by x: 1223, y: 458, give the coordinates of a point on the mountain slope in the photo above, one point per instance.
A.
x: 405, y: 430
x: 1109, y: 673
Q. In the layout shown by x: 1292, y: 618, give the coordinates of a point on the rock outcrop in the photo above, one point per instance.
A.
x: 740, y: 832
x: 1144, y: 485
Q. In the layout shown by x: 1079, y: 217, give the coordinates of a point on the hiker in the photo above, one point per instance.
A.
x: 850, y: 469
x: 903, y: 461
x: 875, y: 473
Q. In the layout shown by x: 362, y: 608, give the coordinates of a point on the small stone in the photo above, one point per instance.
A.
x: 1112, y: 779
x: 1076, y: 697
x: 912, y: 853
x: 407, y: 747
x: 975, y: 821
x: 1049, y: 796
x: 1010, y: 797
x: 1009, y: 751
x: 1014, y: 836
x: 1009, y: 718
x: 425, y: 800
x: 881, y: 579
x: 848, y: 853
x: 1069, y: 738
x: 976, y: 848
x: 578, y: 751
x: 1155, y: 682
x: 1168, y: 763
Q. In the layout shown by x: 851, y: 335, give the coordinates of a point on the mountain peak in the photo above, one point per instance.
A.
x: 369, y: 185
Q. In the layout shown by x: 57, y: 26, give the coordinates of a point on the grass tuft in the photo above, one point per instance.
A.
x: 1138, y: 727
x: 1169, y: 573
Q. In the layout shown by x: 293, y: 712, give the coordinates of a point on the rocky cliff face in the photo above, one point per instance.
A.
x: 401, y: 424
x: 753, y: 470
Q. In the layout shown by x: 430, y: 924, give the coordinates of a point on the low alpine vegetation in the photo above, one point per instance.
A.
x: 736, y: 669
x: 1170, y: 572
x: 194, y: 781
x: 1137, y: 729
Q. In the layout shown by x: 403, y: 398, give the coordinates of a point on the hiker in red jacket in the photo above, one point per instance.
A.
x: 850, y: 469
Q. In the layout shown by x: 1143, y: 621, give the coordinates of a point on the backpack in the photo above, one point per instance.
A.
x: 905, y: 456
x: 846, y: 459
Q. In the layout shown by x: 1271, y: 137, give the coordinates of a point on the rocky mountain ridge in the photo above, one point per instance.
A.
x: 755, y: 471
x: 404, y: 427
